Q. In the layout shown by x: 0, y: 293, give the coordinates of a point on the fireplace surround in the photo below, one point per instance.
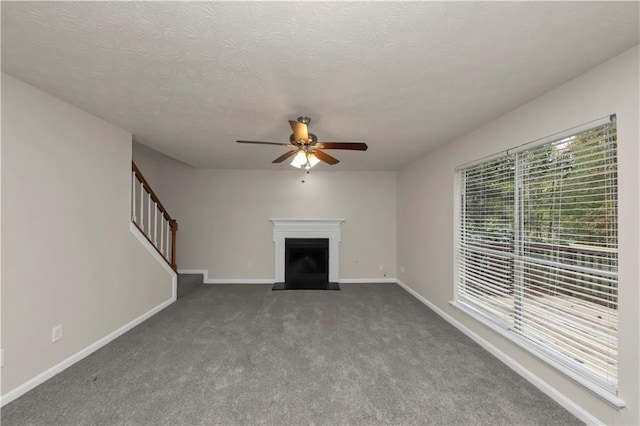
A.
x: 307, y: 229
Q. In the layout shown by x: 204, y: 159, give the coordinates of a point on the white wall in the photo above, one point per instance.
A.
x: 425, y: 214
x: 158, y: 169
x: 68, y: 254
x: 223, y: 215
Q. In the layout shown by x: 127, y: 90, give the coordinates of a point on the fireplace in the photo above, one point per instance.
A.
x: 306, y: 262
x: 306, y: 253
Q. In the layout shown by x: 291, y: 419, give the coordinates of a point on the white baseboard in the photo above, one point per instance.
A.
x: 367, y: 280
x: 272, y: 281
x: 239, y: 281
x: 532, y: 378
x: 207, y: 280
x: 41, y: 378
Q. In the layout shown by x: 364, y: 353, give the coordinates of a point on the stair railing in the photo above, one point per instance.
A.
x: 151, y: 218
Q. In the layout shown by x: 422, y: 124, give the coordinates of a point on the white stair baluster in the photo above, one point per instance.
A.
x: 149, y: 214
x: 141, y: 207
x: 133, y: 196
x: 167, y: 246
x: 162, y: 233
x: 155, y: 225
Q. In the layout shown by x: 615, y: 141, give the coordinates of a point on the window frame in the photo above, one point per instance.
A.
x: 553, y: 358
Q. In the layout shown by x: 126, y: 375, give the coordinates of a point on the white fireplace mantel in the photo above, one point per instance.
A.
x: 307, y: 228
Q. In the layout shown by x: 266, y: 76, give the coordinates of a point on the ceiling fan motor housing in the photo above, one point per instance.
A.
x: 312, y: 138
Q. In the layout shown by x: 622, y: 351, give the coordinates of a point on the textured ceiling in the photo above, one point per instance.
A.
x: 188, y: 79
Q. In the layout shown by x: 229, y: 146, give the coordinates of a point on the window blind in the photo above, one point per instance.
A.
x: 486, y: 241
x: 538, y: 248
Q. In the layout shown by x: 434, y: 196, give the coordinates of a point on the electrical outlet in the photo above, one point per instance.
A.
x: 381, y: 267
x: 56, y: 333
x: 249, y: 265
x: 402, y: 269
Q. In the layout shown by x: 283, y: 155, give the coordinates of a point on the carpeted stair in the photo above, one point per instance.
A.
x: 189, y: 282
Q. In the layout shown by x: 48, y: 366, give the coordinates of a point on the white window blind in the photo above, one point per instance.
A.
x: 538, y: 248
x: 487, y: 238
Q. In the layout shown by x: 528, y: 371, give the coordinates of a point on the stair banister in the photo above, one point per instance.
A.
x: 160, y: 229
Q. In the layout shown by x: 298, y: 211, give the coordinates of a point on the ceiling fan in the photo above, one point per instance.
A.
x: 306, y: 150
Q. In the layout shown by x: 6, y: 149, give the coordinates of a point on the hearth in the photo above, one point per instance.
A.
x: 306, y: 265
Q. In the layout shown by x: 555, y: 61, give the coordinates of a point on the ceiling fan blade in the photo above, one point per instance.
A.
x: 300, y: 131
x: 285, y: 156
x: 266, y: 143
x: 325, y: 157
x: 354, y: 146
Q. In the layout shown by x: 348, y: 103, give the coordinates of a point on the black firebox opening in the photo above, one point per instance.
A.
x: 306, y: 264
x: 306, y: 260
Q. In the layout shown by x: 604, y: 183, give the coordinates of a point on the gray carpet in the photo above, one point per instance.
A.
x: 236, y: 355
x: 188, y: 283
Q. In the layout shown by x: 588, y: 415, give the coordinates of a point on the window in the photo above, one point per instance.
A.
x: 537, y: 248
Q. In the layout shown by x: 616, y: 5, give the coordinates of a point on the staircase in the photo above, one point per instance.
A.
x: 154, y: 222
x: 188, y: 283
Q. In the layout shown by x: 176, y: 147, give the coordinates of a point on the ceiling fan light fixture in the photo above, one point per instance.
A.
x: 300, y: 159
x: 304, y: 159
x: 312, y: 160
